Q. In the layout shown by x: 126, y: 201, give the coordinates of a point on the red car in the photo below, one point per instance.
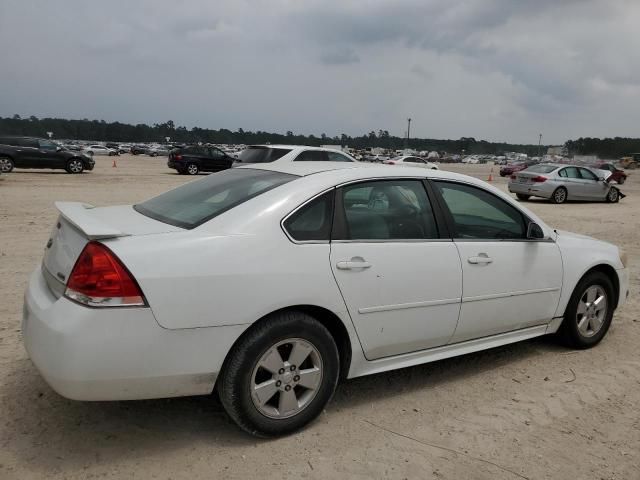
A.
x: 618, y: 175
x: 510, y: 168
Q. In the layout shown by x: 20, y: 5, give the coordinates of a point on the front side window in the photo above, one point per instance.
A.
x: 588, y: 174
x: 46, y: 145
x: 413, y: 160
x: 215, y: 153
x: 313, y: 221
x: 478, y: 214
x: 387, y: 210
x: 194, y: 203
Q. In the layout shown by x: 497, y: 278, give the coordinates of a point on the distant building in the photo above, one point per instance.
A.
x: 560, y: 150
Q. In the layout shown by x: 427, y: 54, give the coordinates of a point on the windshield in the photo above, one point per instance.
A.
x: 197, y: 202
x: 542, y: 168
x: 262, y: 154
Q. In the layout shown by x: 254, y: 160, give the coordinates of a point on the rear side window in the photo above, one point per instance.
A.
x: 337, y: 157
x: 478, y: 214
x: 197, y: 202
x: 262, y: 154
x: 313, y: 221
x: 312, y: 156
x: 569, y: 172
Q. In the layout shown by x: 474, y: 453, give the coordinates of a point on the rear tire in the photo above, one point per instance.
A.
x: 559, y: 195
x: 192, y: 169
x: 74, y: 166
x: 522, y: 197
x: 613, y: 196
x: 586, y: 322
x: 6, y: 165
x: 269, y: 396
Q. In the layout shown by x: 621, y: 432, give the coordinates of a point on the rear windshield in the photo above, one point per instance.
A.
x: 262, y: 154
x: 542, y: 168
x: 197, y: 202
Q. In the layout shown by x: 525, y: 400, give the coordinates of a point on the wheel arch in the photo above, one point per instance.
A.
x: 611, y: 274
x: 327, y: 318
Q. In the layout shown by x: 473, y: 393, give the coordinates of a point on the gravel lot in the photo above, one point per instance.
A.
x: 532, y: 410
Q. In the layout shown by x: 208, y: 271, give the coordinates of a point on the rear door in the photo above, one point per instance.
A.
x: 509, y: 282
x: 27, y: 154
x: 397, y: 270
x: 572, y: 181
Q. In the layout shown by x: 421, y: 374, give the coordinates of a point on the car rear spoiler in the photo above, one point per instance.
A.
x: 78, y: 214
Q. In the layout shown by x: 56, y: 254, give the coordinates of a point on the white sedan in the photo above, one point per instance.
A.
x: 290, y: 153
x: 100, y: 150
x: 270, y: 283
x: 412, y: 161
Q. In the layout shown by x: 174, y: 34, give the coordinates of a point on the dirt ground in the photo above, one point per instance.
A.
x: 532, y: 410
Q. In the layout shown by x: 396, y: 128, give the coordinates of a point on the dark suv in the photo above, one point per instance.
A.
x: 195, y: 159
x: 30, y: 152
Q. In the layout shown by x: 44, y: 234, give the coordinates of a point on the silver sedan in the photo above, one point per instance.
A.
x: 560, y: 183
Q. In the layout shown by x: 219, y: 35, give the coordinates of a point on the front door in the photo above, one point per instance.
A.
x: 400, y: 281
x: 509, y: 282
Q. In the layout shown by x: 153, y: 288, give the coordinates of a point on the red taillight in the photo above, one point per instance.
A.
x: 539, y: 179
x: 389, y: 162
x: 177, y: 156
x: 100, y: 279
x: 513, y: 177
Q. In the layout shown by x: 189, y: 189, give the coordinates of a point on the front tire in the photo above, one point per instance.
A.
x: 622, y: 180
x: 613, y: 196
x: 6, y: 164
x: 75, y: 165
x: 559, y: 195
x: 522, y: 197
x: 192, y: 169
x: 589, y: 312
x: 280, y: 375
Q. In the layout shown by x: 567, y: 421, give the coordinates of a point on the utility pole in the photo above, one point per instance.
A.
x: 408, y: 132
x: 539, y: 144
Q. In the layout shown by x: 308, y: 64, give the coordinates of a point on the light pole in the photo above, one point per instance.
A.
x: 408, y: 132
x: 539, y: 144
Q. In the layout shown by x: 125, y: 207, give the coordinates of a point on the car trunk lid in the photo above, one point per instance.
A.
x: 80, y: 223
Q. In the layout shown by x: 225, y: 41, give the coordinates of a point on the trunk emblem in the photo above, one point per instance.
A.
x: 49, y: 243
x: 61, y: 276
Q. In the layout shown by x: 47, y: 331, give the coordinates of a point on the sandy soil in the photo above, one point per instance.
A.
x: 532, y: 410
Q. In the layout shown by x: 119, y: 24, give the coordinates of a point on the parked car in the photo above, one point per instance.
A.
x: 138, y: 149
x: 270, y: 283
x: 560, y: 183
x: 156, y: 150
x: 512, y: 168
x: 617, y: 174
x: 124, y: 148
x: 31, y: 152
x: 412, y: 161
x: 290, y: 153
x: 195, y: 159
x: 100, y: 150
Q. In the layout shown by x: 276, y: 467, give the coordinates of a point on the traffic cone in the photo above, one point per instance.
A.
x: 490, y: 179
x: 114, y: 164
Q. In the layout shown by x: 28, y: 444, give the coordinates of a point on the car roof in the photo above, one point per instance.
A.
x: 355, y: 170
x: 293, y: 147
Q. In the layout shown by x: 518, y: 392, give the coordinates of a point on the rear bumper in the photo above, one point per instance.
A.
x: 534, y: 190
x: 117, y: 353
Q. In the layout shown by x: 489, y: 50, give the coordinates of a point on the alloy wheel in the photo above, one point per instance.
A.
x: 5, y: 165
x: 612, y: 195
x: 560, y: 195
x: 283, y: 388
x: 192, y: 169
x: 75, y: 166
x: 591, y: 311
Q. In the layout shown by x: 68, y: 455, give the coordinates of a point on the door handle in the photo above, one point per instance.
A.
x: 481, y: 259
x: 353, y: 265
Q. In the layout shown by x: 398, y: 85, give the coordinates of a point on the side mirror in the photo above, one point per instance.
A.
x: 58, y: 149
x: 534, y: 231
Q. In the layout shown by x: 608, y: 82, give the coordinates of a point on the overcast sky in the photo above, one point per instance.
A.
x: 492, y: 69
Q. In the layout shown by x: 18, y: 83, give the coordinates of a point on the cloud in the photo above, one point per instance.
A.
x: 495, y: 69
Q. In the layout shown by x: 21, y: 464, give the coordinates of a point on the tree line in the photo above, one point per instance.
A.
x: 99, y: 130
